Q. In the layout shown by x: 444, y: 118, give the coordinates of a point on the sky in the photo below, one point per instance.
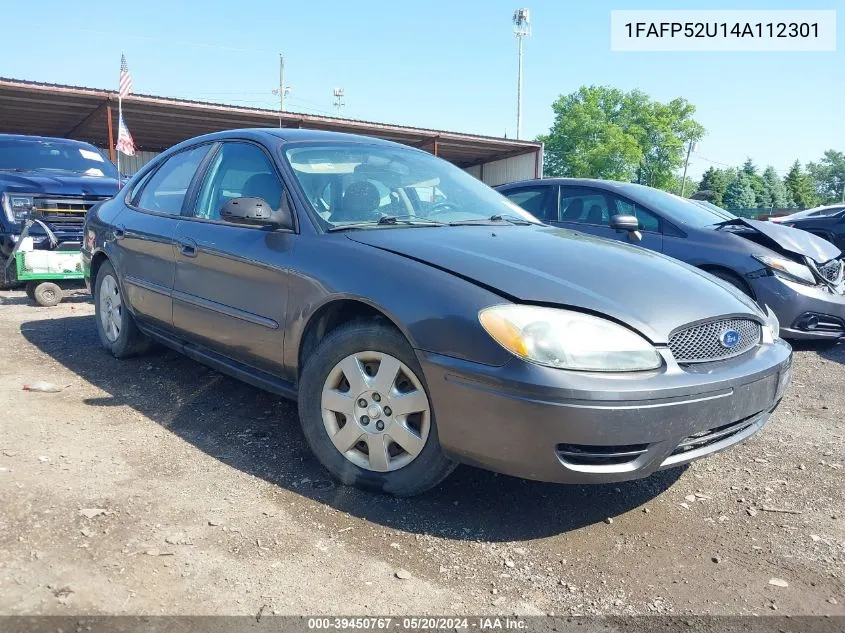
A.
x: 437, y: 64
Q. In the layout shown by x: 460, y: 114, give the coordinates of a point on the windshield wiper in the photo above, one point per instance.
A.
x: 389, y: 220
x: 498, y: 217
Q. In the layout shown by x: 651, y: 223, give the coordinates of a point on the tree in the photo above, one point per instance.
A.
x: 801, y: 186
x: 603, y: 132
x: 674, y: 185
x: 761, y: 198
x: 716, y: 181
x: 740, y: 193
x: 776, y: 194
x: 829, y: 176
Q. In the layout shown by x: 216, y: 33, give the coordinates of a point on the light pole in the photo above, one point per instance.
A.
x: 522, y: 29
x: 338, y: 102
x: 690, y: 150
x: 282, y: 90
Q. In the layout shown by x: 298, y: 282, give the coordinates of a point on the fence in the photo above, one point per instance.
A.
x: 762, y: 214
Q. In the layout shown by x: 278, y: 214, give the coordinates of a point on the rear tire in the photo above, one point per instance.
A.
x: 383, y: 370
x: 46, y: 294
x: 30, y: 290
x: 115, y: 325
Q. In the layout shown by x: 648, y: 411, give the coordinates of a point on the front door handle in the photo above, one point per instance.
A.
x: 188, y: 248
x: 119, y: 232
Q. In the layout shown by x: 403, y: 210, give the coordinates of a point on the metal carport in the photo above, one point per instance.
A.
x: 156, y: 123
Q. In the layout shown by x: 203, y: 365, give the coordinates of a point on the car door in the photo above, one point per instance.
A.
x: 145, y: 235
x: 590, y: 210
x: 231, y: 284
x: 539, y: 200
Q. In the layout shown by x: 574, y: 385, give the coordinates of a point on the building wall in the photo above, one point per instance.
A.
x: 131, y: 164
x: 507, y: 170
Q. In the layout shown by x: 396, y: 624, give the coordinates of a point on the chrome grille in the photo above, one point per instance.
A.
x: 702, y: 343
x: 63, y: 212
x: 832, y: 270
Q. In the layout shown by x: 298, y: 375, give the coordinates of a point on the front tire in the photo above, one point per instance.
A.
x: 115, y: 325
x: 366, y: 413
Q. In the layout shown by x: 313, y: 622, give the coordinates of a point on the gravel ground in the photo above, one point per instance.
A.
x: 156, y: 485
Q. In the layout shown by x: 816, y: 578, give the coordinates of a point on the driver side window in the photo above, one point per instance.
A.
x: 239, y: 170
x: 648, y: 221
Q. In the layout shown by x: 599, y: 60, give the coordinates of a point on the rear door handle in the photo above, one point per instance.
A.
x: 188, y: 248
x: 119, y: 232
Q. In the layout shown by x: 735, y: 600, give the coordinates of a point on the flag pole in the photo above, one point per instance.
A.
x: 120, y: 120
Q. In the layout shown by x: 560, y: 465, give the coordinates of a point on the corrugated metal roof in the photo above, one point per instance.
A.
x: 31, y: 107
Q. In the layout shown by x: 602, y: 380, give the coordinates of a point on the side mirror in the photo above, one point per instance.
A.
x: 625, y: 223
x: 256, y: 212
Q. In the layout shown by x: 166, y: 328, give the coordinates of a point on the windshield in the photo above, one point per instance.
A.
x: 54, y: 155
x: 694, y: 213
x: 353, y: 184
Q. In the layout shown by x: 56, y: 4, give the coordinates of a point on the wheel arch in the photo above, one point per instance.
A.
x: 97, y: 260
x: 335, y: 312
x: 716, y: 268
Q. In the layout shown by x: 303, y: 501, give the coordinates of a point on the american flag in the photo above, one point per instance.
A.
x: 125, y: 78
x: 124, y: 143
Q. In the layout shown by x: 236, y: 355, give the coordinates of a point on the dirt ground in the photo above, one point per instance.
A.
x: 156, y: 485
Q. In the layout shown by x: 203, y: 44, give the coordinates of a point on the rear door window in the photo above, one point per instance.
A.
x: 165, y: 190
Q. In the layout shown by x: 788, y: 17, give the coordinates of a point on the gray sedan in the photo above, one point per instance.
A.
x: 421, y: 319
x: 799, y: 276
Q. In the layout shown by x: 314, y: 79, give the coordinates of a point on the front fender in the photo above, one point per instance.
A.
x: 435, y: 310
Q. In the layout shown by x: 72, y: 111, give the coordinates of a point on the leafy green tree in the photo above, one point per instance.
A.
x: 829, y: 176
x: 603, y: 132
x: 674, y: 185
x: 740, y: 193
x: 717, y: 181
x: 776, y: 194
x: 801, y: 186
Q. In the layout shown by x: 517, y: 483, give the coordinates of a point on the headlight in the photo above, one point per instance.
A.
x: 771, y: 331
x: 567, y: 340
x: 17, y: 207
x: 787, y: 269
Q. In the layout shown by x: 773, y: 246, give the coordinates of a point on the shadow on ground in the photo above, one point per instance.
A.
x: 259, y: 433
x: 831, y: 351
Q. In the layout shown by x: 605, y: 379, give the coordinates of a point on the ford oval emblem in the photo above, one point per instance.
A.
x: 729, y: 339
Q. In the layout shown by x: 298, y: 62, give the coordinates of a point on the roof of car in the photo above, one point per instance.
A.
x: 584, y: 182
x: 293, y: 135
x: 27, y: 137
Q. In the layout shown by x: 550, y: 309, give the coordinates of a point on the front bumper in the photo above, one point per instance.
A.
x: 572, y: 427
x: 794, y: 304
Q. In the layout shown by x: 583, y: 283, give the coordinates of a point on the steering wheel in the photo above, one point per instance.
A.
x: 442, y: 207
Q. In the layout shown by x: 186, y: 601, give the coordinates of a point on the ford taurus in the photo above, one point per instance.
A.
x: 421, y: 319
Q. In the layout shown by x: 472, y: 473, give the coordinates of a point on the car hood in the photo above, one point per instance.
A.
x: 792, y: 240
x: 57, y: 183
x: 648, y: 291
